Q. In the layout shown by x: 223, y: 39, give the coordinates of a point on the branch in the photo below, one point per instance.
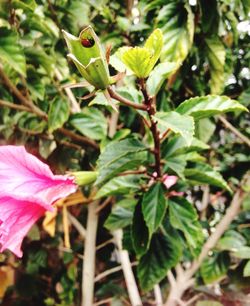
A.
x: 125, y: 101
x: 78, y: 226
x: 132, y: 288
x: 88, y: 274
x: 234, y: 130
x: 158, y: 295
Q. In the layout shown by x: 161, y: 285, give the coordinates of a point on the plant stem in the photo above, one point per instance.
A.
x: 88, y: 275
x: 151, y: 109
x: 125, y: 101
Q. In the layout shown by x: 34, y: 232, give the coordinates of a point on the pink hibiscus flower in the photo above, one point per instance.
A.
x: 28, y: 189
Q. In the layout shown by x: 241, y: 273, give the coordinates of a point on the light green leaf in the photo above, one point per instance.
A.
x: 216, y: 55
x: 202, y: 107
x: 121, y: 214
x: 11, y: 51
x: 58, y: 113
x: 119, y: 156
x: 120, y: 185
x: 204, y: 174
x: 182, y: 124
x: 177, y: 164
x: 29, y: 5
x: 232, y: 240
x: 160, y: 73
x: 163, y: 254
x: 246, y: 271
x: 154, y: 43
x: 215, y: 267
x: 184, y: 217
x: 90, y: 122
x: 154, y: 205
x: 204, y: 129
x: 243, y: 252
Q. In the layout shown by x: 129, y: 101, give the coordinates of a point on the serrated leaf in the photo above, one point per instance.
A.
x: 215, y: 267
x: 163, y: 254
x: 216, y: 55
x: 182, y: 124
x: 184, y: 217
x: 121, y: 214
x: 204, y: 129
x: 202, y: 107
x: 120, y: 156
x: 204, y: 174
x: 139, y: 232
x: 141, y: 60
x: 119, y: 185
x: 58, y: 113
x: 90, y: 122
x: 11, y: 51
x: 154, y: 205
x: 160, y: 73
x: 177, y: 164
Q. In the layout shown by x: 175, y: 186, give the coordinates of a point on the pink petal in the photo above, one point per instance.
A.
x: 16, y: 218
x: 169, y: 180
x: 23, y: 176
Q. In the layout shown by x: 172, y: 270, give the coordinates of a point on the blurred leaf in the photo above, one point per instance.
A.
x: 11, y: 51
x: 160, y: 73
x: 202, y: 107
x: 246, y: 271
x: 215, y: 267
x: 177, y: 123
x: 29, y: 5
x: 58, y: 114
x: 231, y: 240
x: 204, y: 174
x: 242, y: 252
x: 209, y: 16
x: 154, y: 205
x: 204, y: 129
x: 184, y: 217
x: 90, y: 122
x: 216, y: 55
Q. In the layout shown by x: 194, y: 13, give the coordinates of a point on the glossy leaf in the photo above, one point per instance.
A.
x: 182, y: 124
x: 154, y: 205
x: 90, y: 122
x: 202, y: 107
x: 11, y: 51
x: 184, y: 217
x: 58, y: 114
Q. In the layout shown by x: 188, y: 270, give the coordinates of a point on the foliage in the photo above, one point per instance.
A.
x: 149, y: 109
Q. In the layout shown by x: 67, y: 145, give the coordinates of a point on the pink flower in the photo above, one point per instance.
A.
x: 28, y: 189
x: 169, y: 180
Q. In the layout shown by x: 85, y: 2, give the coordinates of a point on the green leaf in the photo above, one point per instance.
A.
x: 184, y: 217
x: 177, y: 164
x: 11, y: 51
x: 243, y: 252
x: 176, y: 21
x: 246, y: 271
x: 154, y: 205
x: 204, y: 129
x: 160, y: 73
x: 182, y: 124
x: 141, y: 60
x: 120, y: 185
x: 204, y: 174
x: 163, y: 254
x: 215, y: 267
x: 29, y: 5
x: 202, y: 107
x: 90, y: 122
x: 58, y: 113
x: 120, y: 156
x: 216, y: 55
x: 139, y: 232
x: 231, y: 240
x: 121, y: 214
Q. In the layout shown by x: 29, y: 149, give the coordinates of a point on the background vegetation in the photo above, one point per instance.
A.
x: 211, y: 41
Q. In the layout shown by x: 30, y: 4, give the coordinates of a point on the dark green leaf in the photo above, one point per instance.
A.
x: 58, y: 113
x: 154, y: 205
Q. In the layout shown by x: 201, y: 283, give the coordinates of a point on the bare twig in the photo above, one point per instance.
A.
x: 74, y: 105
x: 88, y: 274
x: 132, y: 288
x: 229, y: 126
x: 158, y: 295
x: 78, y: 226
x: 103, y: 205
x: 102, y: 302
x: 102, y: 245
